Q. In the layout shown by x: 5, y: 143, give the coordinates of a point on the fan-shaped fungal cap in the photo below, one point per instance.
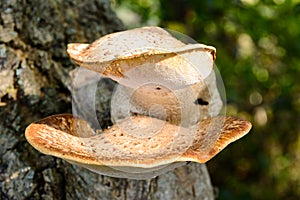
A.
x: 145, y: 54
x: 72, y: 139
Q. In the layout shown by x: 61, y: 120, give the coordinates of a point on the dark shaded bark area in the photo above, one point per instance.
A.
x: 34, y: 79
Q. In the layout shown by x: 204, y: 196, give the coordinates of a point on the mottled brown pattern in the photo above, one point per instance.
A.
x: 115, y: 54
x: 228, y: 130
x: 53, y: 136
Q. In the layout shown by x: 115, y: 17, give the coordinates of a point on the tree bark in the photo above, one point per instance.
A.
x: 34, y: 79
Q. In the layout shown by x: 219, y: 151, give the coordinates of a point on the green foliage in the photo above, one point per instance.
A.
x: 258, y: 55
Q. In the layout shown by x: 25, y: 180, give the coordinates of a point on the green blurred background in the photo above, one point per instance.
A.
x: 258, y: 56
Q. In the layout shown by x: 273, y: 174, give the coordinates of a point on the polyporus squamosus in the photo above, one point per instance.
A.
x: 153, y: 68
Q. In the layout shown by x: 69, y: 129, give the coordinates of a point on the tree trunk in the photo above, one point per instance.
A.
x: 34, y: 79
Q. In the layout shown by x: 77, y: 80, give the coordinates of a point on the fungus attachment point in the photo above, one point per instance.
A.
x: 118, y: 154
x: 157, y: 110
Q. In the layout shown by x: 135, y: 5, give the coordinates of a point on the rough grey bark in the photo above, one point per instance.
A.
x: 34, y: 78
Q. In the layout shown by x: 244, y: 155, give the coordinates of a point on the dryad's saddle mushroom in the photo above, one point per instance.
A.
x: 165, y: 108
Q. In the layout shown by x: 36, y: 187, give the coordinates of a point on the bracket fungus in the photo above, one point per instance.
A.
x: 151, y: 52
x: 164, y: 108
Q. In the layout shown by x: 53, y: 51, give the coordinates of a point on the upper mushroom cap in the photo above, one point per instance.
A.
x: 160, y: 55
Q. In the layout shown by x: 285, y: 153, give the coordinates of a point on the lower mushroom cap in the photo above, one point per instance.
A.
x: 122, y: 145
